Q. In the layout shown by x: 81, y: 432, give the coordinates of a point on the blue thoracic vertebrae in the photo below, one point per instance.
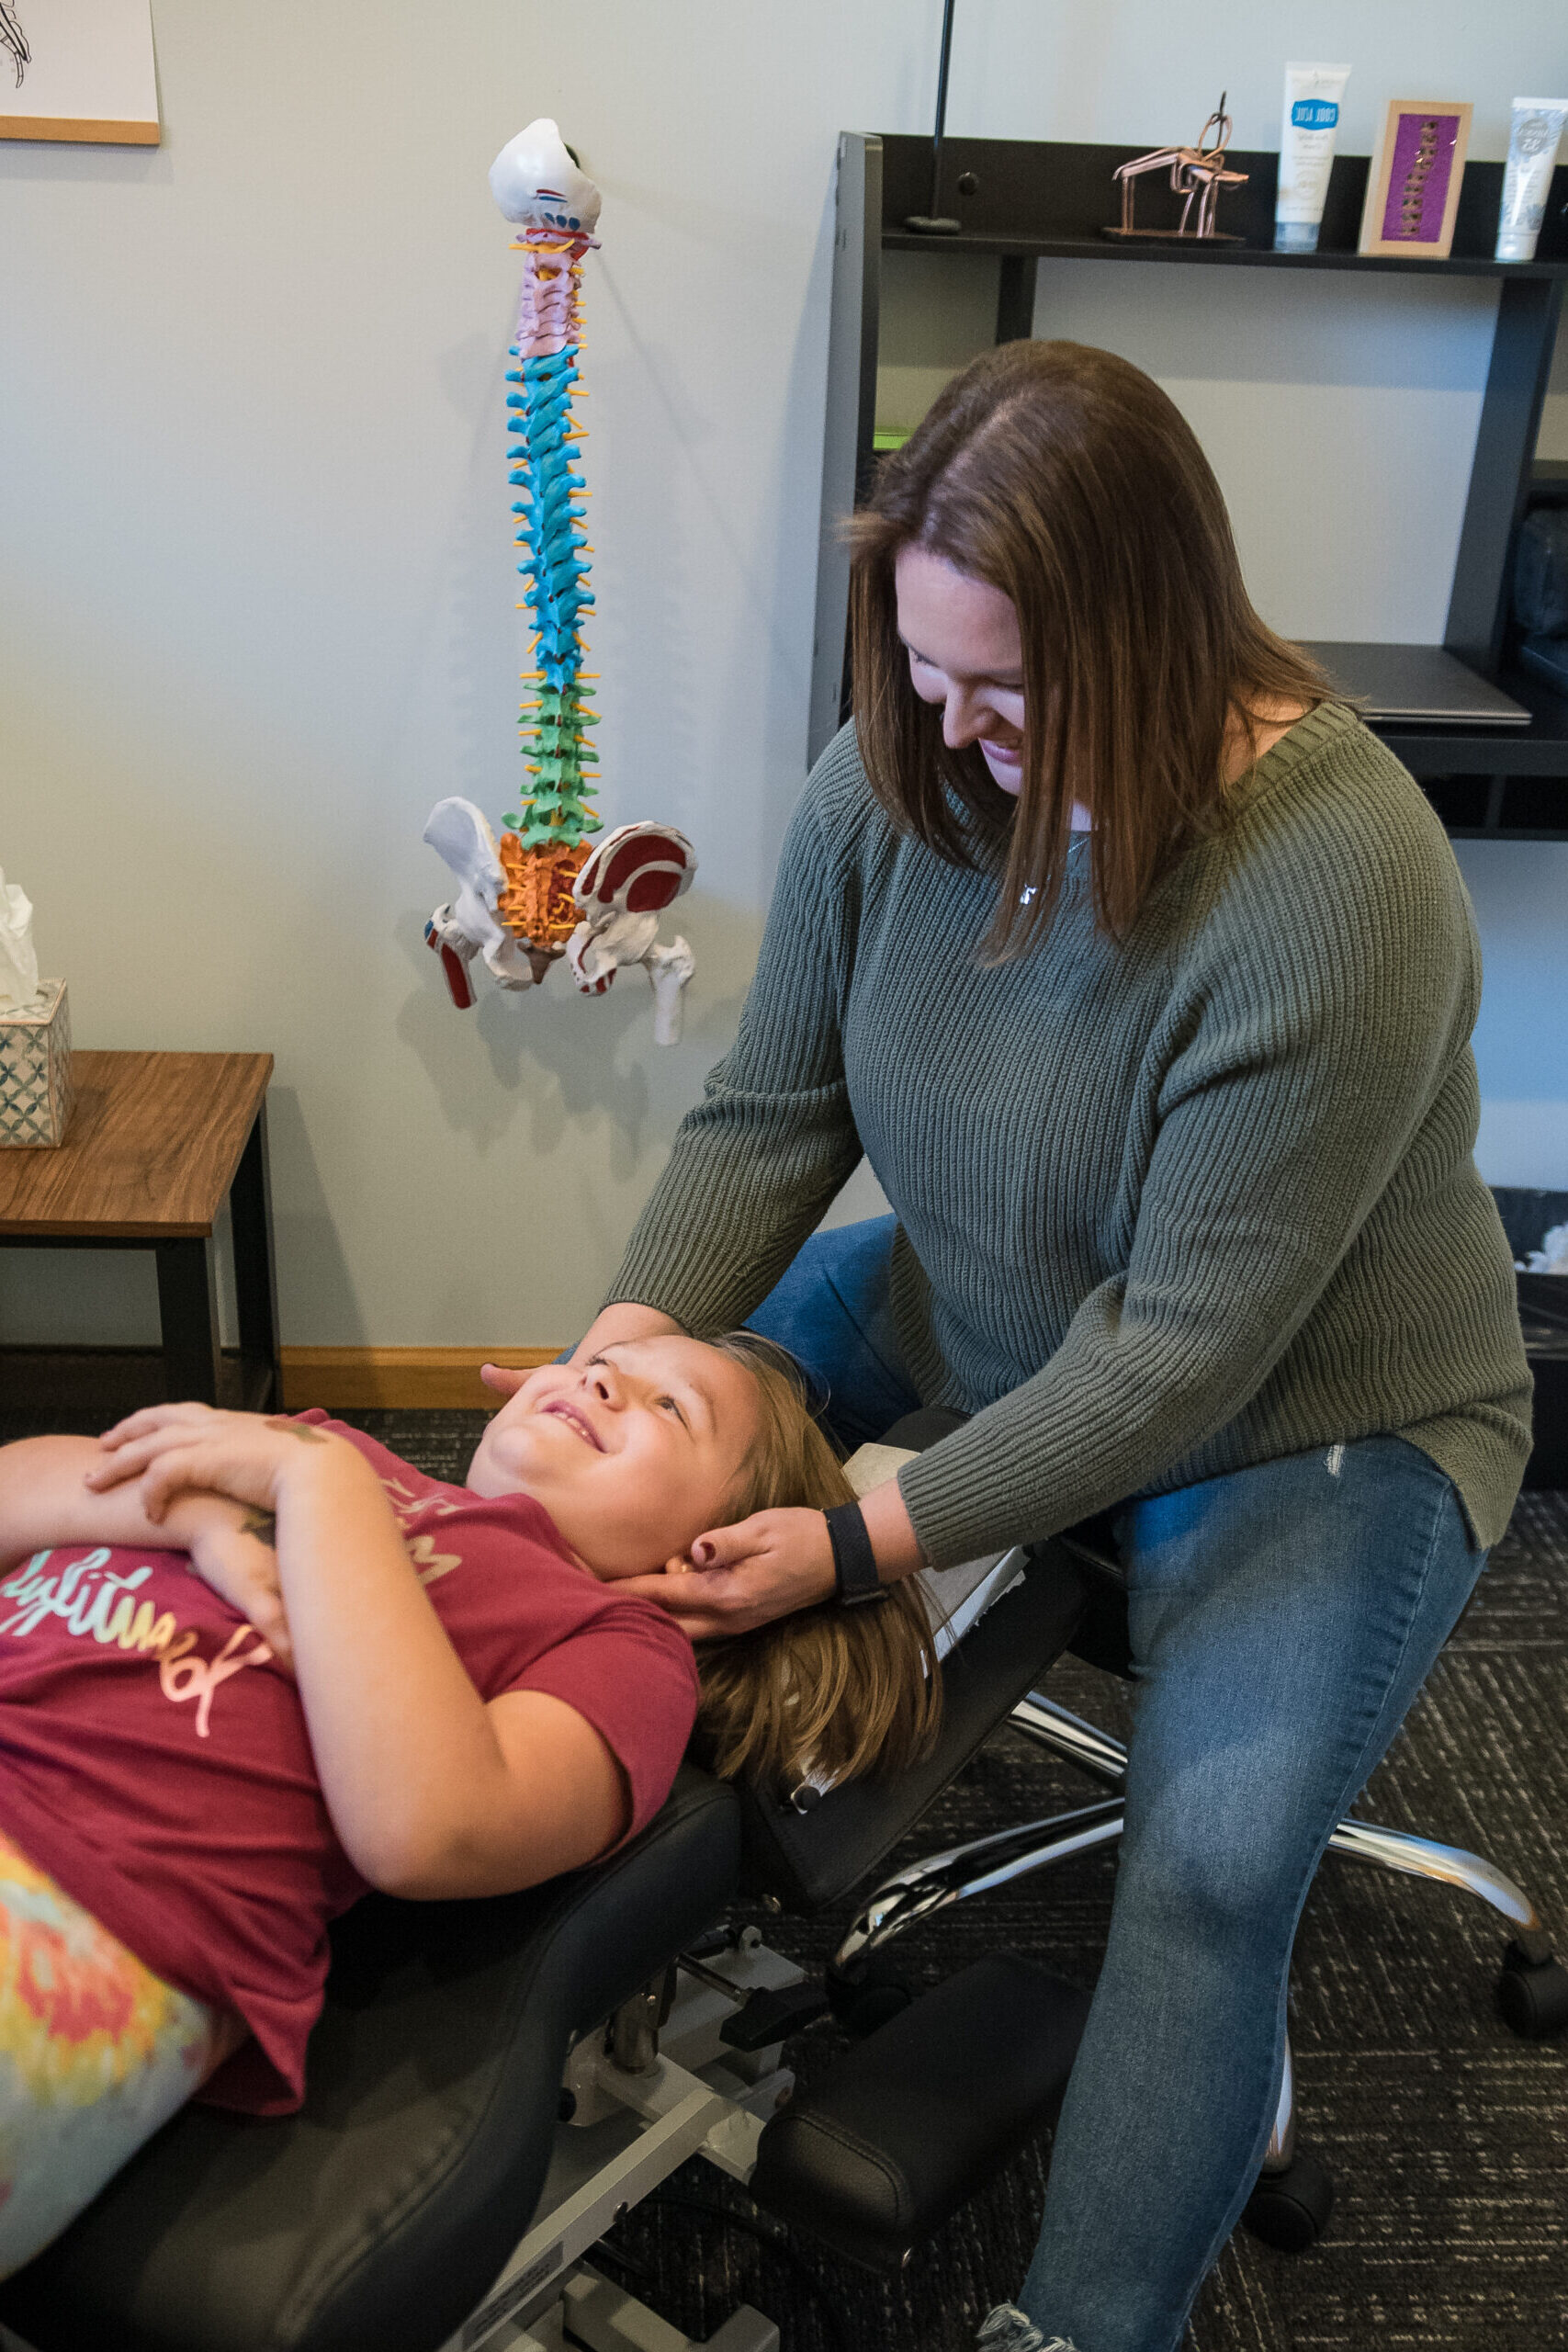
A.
x: 552, y: 560
x: 550, y: 536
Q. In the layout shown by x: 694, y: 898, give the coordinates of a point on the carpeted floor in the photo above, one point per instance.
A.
x: 1448, y: 2139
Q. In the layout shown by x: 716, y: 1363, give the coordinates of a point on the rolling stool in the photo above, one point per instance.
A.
x: 1294, y: 2194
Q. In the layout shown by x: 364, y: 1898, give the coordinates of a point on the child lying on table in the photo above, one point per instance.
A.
x: 249, y: 1668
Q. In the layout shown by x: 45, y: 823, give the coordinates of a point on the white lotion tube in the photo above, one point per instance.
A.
x: 1533, y: 137
x: 1306, y: 149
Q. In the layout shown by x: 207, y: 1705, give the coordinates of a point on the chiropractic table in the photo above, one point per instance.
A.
x: 491, y: 2082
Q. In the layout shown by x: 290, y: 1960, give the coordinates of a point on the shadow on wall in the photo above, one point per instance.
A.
x: 84, y: 166
x: 485, y: 640
x: 657, y: 505
x: 523, y: 1068
x: 683, y: 493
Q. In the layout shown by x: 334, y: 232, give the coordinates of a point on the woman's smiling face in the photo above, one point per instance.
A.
x: 965, y: 653
x: 634, y: 1454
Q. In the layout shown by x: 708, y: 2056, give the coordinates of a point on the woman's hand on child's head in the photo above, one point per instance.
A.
x: 740, y: 1577
x: 170, y: 1448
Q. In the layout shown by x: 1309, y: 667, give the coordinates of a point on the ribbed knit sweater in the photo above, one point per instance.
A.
x: 1167, y: 1207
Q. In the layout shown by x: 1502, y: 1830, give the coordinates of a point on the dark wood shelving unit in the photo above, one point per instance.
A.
x: 1208, y: 256
x: 1028, y: 200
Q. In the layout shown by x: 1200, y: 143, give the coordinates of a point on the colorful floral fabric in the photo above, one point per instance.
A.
x: 96, y: 2053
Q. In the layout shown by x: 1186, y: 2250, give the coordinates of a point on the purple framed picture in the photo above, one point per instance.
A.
x: 1413, y: 190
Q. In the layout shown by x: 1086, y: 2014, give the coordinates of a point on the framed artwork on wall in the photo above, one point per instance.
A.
x: 80, y: 70
x: 1412, y: 187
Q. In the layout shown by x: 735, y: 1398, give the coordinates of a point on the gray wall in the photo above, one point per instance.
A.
x: 257, y: 597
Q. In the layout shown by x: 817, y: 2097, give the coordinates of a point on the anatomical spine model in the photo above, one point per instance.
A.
x: 542, y: 891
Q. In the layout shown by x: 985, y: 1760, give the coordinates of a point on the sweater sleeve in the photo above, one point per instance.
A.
x: 1334, y: 992
x: 759, y: 1160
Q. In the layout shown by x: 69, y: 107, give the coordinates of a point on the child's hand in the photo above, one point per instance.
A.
x: 232, y: 1548
x: 171, y: 1447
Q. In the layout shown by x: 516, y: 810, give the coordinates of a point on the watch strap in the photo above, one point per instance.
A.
x: 854, y: 1562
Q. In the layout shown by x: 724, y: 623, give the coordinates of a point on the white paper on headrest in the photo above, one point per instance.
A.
x: 873, y: 1466
x: 957, y: 1597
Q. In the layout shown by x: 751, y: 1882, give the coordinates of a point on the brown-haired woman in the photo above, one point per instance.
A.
x: 1144, y: 977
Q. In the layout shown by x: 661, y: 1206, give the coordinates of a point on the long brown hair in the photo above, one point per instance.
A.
x: 830, y: 1694
x: 1064, y: 476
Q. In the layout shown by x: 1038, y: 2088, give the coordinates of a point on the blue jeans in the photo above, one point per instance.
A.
x: 1281, y: 1620
x: 831, y: 1312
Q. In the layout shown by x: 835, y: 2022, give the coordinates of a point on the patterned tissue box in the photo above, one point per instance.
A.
x: 35, y: 1069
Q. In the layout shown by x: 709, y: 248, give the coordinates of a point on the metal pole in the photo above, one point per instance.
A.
x: 932, y: 223
x: 941, y: 103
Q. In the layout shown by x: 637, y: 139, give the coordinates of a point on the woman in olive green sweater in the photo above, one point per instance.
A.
x: 1144, y: 978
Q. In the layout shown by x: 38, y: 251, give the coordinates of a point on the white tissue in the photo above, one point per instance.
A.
x: 18, y: 957
x: 1551, y: 1258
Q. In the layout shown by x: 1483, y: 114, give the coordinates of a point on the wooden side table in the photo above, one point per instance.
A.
x: 156, y: 1143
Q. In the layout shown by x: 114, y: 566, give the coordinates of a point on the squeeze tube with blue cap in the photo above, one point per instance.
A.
x: 1306, y: 149
x: 1533, y: 137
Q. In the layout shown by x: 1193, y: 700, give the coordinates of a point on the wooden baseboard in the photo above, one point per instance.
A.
x: 382, y: 1379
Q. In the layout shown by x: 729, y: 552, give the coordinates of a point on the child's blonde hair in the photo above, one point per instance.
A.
x: 828, y: 1693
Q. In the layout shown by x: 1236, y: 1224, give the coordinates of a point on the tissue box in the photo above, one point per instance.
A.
x: 35, y: 1069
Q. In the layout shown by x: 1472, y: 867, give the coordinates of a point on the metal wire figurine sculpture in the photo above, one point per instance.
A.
x: 1198, y: 173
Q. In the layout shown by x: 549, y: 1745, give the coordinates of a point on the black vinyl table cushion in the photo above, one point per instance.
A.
x: 376, y: 2218
x: 925, y: 2111
x: 807, y: 1860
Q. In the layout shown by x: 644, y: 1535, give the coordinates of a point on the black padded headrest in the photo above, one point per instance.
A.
x: 807, y: 1860
x: 379, y: 2214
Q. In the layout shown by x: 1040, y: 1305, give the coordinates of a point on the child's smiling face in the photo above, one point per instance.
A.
x: 634, y: 1454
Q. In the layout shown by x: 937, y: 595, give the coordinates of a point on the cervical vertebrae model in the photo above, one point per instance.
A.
x: 539, y: 893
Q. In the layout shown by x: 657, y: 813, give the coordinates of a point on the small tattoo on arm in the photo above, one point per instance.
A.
x: 292, y: 1429
x: 262, y: 1525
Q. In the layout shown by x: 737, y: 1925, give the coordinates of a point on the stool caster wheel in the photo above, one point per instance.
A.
x: 1290, y: 2208
x: 868, y: 1994
x: 1532, y: 1996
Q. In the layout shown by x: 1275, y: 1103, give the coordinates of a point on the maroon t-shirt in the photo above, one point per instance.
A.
x: 154, y: 1760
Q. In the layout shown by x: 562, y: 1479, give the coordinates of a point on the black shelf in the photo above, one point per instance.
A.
x: 1052, y: 197
x: 1496, y: 784
x: 1210, y: 254
x: 1033, y: 201
x: 1539, y: 750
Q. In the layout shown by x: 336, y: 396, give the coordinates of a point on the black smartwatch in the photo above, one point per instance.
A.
x: 854, y: 1563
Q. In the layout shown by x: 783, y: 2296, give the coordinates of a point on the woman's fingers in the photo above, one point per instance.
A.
x: 503, y: 1378
x: 705, y: 1604
x: 747, y: 1575
x: 730, y: 1547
